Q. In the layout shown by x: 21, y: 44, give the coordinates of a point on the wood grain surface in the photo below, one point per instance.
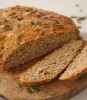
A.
x: 55, y: 90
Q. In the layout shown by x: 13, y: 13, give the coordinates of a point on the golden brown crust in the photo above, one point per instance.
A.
x: 31, y: 83
x: 34, y: 82
x: 76, y: 76
x: 28, y: 73
x: 39, y: 82
x: 21, y: 25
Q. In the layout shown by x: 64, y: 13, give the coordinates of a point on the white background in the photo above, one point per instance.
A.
x: 66, y: 7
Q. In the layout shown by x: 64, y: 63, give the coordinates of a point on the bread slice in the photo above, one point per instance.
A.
x: 77, y: 68
x: 52, y: 65
x: 30, y: 33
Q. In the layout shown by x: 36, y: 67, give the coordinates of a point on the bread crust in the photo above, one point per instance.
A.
x: 23, y: 25
x: 31, y: 83
x: 39, y: 65
x: 76, y: 76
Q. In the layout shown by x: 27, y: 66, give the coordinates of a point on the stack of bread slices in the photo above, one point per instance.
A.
x: 27, y: 33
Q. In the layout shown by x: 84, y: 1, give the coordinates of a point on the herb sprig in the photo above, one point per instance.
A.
x: 30, y: 89
x: 79, y: 19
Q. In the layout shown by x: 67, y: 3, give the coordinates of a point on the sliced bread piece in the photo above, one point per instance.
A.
x: 52, y: 65
x: 77, y: 68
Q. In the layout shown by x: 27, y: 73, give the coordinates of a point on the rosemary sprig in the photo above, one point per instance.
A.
x: 79, y: 19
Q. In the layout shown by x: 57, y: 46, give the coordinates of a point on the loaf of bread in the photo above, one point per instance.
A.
x: 77, y: 68
x: 52, y: 65
x: 27, y: 33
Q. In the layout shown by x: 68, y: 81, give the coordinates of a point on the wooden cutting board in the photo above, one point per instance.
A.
x: 55, y: 90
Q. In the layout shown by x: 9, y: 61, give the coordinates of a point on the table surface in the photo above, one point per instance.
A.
x: 65, y: 7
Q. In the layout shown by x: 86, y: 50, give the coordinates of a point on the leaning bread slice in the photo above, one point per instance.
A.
x: 52, y: 65
x: 77, y: 68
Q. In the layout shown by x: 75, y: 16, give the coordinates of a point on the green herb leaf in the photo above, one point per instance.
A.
x: 32, y: 23
x: 60, y: 25
x: 32, y: 89
x: 39, y: 23
x: 18, y: 85
x: 20, y: 36
x: 79, y: 19
x: 73, y: 17
x: 28, y: 90
x: 32, y: 10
